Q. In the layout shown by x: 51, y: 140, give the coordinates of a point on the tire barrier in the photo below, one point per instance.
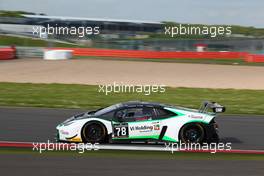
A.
x: 7, y: 53
x: 254, y: 58
x: 154, y: 54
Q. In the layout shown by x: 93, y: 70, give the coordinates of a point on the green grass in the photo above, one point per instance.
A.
x: 228, y: 61
x: 21, y: 41
x: 88, y: 97
x: 136, y: 154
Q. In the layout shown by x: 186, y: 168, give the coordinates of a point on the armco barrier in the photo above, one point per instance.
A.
x: 7, y: 53
x: 30, y: 52
x: 154, y: 54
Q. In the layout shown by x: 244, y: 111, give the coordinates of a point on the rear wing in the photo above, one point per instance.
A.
x: 217, y: 108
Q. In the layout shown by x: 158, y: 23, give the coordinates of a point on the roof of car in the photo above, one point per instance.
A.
x: 153, y: 104
x: 141, y: 103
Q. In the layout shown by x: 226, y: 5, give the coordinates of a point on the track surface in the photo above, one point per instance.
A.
x: 68, y: 165
x: 38, y: 125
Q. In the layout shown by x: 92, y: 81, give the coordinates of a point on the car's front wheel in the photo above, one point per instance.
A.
x: 94, y: 132
x: 192, y: 133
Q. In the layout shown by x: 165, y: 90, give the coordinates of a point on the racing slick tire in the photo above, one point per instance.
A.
x: 94, y: 132
x: 192, y: 133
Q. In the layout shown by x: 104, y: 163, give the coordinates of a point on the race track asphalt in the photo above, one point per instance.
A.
x: 69, y: 165
x: 38, y: 125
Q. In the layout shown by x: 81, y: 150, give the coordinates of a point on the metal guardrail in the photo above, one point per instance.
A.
x: 30, y: 52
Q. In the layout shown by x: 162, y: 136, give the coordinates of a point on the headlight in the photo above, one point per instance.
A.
x: 67, y: 122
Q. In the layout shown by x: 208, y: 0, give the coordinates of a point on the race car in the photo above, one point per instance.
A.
x: 136, y: 121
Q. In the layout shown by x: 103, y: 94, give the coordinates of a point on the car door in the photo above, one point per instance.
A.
x: 136, y: 123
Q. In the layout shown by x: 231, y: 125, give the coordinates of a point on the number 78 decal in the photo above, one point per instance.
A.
x: 120, y: 130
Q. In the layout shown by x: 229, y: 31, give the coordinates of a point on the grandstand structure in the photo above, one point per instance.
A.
x: 108, y: 27
x: 122, y: 34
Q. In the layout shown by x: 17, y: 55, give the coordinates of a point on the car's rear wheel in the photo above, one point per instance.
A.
x: 192, y: 133
x: 94, y: 133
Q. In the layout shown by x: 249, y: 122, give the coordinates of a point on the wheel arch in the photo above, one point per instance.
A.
x: 91, y: 122
x: 199, y: 122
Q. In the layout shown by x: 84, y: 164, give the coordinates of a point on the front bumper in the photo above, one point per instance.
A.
x: 66, y: 134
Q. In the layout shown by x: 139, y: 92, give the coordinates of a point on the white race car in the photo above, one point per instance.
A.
x: 142, y: 121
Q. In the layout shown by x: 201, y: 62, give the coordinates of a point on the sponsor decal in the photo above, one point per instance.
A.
x: 196, y: 116
x: 64, y: 132
x: 145, y: 128
x: 157, y: 127
x: 142, y: 128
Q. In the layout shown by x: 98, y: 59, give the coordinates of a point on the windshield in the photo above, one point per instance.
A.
x: 107, y: 109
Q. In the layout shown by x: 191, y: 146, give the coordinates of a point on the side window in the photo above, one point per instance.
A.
x: 134, y: 114
x: 163, y: 113
x: 149, y: 112
x: 108, y: 115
